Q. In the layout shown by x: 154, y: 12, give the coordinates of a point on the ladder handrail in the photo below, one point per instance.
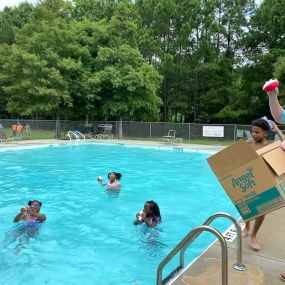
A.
x: 190, y: 237
x: 73, y: 133
x: 80, y: 134
x: 238, y: 265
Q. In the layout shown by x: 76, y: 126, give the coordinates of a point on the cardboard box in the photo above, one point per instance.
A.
x: 254, y: 180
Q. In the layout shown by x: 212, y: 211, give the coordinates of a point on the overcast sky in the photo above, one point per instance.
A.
x: 12, y: 3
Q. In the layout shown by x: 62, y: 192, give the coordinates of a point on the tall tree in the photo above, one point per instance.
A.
x: 46, y: 63
x: 12, y: 18
x: 264, y: 44
x: 126, y: 84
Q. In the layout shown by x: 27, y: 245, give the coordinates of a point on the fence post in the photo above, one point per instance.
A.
x: 235, y: 132
x: 189, y: 135
x: 150, y: 131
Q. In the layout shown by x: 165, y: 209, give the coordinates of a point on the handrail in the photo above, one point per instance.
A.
x: 80, y: 134
x: 237, y: 266
x: 187, y: 241
x: 73, y: 133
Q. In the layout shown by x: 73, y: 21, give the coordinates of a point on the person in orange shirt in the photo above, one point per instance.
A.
x: 20, y: 130
x: 14, y: 130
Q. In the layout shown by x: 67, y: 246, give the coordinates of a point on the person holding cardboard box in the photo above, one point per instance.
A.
x: 260, y: 130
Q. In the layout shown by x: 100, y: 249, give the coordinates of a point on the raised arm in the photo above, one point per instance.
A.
x: 22, y: 215
x: 277, y: 112
x: 276, y: 130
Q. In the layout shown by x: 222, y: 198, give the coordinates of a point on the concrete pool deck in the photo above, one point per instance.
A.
x: 263, y: 266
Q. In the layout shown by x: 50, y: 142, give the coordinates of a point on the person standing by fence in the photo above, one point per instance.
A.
x: 20, y: 130
x: 14, y: 130
x: 27, y: 129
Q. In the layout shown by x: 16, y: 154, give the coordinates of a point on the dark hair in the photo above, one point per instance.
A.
x: 117, y: 174
x: 30, y: 202
x: 261, y: 123
x: 154, y: 208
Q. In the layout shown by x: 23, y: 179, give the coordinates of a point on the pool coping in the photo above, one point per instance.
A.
x: 51, y: 142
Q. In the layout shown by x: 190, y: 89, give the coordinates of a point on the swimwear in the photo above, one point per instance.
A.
x: 31, y: 226
x: 115, y: 184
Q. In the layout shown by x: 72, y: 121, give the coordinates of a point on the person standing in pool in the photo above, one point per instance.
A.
x: 150, y: 215
x: 113, y: 180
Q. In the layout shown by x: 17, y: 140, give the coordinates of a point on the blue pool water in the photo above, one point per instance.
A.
x: 89, y: 236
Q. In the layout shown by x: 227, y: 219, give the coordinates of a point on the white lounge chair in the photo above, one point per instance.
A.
x: 171, y: 137
x: 105, y: 131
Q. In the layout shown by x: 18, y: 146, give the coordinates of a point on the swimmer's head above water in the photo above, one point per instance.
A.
x: 30, y: 212
x: 112, y: 176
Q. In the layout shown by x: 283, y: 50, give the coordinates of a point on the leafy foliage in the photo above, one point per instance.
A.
x: 175, y: 60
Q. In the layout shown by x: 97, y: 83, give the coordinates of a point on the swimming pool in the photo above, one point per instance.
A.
x: 89, y: 236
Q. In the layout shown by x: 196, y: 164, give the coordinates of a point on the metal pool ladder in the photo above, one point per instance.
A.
x: 191, y: 236
x: 76, y: 134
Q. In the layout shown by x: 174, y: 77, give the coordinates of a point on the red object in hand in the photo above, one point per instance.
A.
x: 270, y: 85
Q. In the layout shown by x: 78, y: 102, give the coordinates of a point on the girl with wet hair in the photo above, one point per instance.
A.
x: 113, y: 180
x: 150, y: 215
x: 31, y: 212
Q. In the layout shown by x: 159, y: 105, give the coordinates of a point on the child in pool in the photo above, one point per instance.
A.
x: 113, y: 180
x: 31, y: 221
x: 149, y: 216
x: 31, y: 213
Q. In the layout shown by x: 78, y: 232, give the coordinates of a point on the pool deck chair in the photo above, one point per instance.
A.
x: 105, y: 131
x: 171, y: 138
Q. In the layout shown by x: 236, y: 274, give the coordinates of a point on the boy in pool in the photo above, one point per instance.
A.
x: 259, y: 131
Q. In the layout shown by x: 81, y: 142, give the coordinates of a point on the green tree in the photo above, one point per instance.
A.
x: 12, y: 18
x: 126, y: 84
x: 46, y: 64
x: 264, y: 44
x: 94, y: 10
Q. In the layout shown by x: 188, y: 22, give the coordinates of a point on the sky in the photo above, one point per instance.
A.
x: 11, y: 3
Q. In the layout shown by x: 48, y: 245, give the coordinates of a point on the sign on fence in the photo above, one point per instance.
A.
x: 213, y: 131
x: 239, y: 134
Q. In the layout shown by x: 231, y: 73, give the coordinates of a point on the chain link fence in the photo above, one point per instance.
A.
x: 47, y: 129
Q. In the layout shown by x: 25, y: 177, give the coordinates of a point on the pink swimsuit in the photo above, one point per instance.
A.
x: 115, y: 184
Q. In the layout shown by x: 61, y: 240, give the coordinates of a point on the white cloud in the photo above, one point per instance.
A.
x: 13, y: 3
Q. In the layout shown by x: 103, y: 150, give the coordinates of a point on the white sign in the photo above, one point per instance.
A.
x: 239, y: 133
x: 213, y: 131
